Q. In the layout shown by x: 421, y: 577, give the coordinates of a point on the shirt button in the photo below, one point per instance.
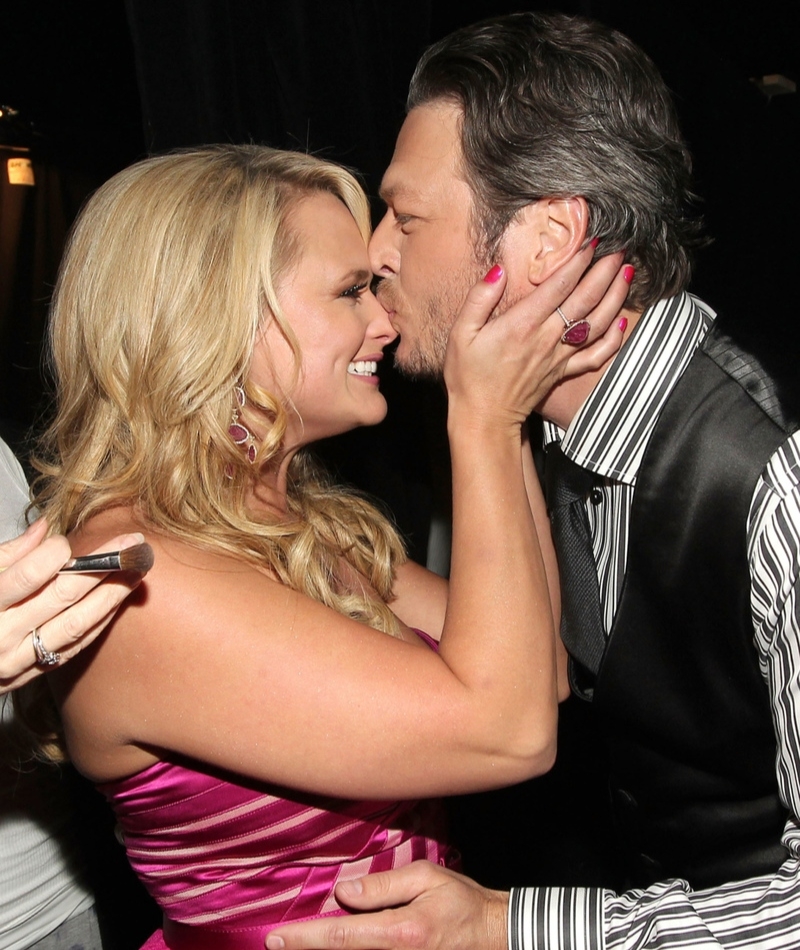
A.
x: 596, y: 496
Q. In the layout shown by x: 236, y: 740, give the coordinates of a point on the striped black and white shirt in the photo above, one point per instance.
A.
x: 608, y: 435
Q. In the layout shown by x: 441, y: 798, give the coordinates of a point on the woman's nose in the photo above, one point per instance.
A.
x: 380, y: 326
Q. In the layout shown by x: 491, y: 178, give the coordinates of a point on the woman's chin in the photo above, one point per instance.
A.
x: 380, y: 414
x: 373, y: 418
x: 371, y: 415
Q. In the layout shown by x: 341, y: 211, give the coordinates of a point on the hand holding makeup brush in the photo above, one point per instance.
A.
x: 49, y: 608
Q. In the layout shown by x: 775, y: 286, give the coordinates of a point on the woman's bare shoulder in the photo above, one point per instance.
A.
x: 181, y: 608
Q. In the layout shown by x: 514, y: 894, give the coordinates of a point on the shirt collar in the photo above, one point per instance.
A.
x: 610, y: 431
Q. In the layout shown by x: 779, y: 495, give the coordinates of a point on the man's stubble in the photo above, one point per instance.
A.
x: 425, y: 354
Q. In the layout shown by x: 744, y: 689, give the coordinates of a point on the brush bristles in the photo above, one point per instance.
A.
x: 138, y: 558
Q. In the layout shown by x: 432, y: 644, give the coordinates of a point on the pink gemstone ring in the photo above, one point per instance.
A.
x: 576, y: 332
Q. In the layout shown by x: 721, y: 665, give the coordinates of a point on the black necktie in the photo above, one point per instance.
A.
x: 567, y: 486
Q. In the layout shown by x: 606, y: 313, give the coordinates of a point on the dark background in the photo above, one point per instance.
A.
x: 99, y: 85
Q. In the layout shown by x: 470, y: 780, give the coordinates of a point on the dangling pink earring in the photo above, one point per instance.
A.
x: 240, y: 434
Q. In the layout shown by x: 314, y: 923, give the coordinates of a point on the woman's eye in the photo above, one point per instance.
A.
x: 355, y: 291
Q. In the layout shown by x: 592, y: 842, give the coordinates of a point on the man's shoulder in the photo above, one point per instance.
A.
x: 751, y: 362
x: 782, y: 475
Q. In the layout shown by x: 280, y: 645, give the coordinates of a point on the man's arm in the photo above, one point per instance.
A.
x: 440, y: 909
x: 761, y: 913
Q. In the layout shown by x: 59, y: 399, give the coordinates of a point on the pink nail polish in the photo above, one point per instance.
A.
x: 623, y: 324
x: 594, y: 242
x: 494, y: 274
x: 627, y: 272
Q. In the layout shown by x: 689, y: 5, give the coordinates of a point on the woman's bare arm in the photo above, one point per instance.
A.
x: 215, y: 661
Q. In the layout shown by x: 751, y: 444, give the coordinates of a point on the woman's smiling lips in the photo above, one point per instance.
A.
x: 366, y: 369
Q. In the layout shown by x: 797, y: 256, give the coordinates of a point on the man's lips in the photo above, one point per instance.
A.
x: 391, y: 313
x: 384, y: 295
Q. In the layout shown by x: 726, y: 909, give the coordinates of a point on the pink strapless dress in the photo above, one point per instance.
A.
x: 228, y: 859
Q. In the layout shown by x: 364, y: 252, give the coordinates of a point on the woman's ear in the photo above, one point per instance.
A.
x: 549, y: 233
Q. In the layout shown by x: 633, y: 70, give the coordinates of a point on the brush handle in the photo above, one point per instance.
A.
x: 109, y: 561
x: 126, y: 559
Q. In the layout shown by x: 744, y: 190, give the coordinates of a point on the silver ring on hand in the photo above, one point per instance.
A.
x: 43, y: 657
x: 576, y: 332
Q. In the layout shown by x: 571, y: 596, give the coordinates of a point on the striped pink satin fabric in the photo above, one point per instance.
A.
x: 216, y: 852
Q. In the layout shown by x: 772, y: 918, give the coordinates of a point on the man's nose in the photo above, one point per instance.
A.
x: 384, y: 255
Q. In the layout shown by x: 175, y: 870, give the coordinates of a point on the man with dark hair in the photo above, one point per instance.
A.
x: 673, y: 479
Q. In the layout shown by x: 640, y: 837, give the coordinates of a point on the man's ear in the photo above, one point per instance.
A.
x: 553, y: 230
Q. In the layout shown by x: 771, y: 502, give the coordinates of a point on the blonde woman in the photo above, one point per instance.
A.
x: 268, y: 706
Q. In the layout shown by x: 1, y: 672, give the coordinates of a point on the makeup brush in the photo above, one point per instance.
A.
x: 138, y: 557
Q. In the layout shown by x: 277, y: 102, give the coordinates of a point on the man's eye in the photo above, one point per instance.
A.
x: 355, y: 291
x: 403, y: 219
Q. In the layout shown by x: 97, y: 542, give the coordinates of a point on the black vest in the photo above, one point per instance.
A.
x: 679, y: 696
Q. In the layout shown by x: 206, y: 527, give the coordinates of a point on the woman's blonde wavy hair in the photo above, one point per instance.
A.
x: 166, y: 281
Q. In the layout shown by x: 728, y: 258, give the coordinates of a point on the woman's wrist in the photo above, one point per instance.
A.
x: 472, y: 424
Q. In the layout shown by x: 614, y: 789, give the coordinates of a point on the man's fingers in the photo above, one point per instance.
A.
x: 386, y: 930
x: 434, y: 908
x: 390, y: 888
x: 409, y: 926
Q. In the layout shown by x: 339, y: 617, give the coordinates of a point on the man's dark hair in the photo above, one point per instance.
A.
x: 560, y: 106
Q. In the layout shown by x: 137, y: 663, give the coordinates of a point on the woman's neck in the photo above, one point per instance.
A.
x: 269, y: 491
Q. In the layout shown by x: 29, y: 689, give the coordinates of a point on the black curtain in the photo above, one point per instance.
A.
x: 324, y: 77
x: 328, y: 78
x: 38, y: 200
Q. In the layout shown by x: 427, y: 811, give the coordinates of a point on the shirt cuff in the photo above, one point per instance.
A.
x: 555, y: 918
